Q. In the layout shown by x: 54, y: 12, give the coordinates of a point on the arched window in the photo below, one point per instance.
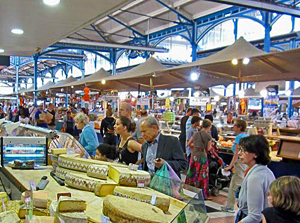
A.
x: 179, y: 49
x: 282, y: 26
x: 250, y: 30
x: 221, y: 35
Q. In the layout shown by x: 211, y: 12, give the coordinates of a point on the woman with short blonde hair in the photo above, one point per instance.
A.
x: 285, y: 199
x: 88, y: 138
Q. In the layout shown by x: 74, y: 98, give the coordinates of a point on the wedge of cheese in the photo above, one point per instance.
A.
x: 124, y: 210
x: 14, y: 205
x: 9, y: 217
x: 59, y: 151
x: 24, y: 210
x: 103, y: 189
x: 69, y: 204
x: 98, y: 171
x: 42, y: 219
x: 70, y: 161
x: 144, y: 195
x: 40, y: 199
x: 82, y: 182
x: 67, y: 217
x: 127, y: 177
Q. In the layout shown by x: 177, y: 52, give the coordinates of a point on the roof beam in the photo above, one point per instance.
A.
x: 126, y: 7
x: 127, y: 26
x: 180, y: 15
x: 152, y: 14
x: 271, y: 7
x: 99, y: 33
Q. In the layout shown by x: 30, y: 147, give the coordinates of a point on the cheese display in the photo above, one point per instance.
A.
x: 67, y: 217
x: 14, y: 205
x: 9, y: 216
x: 144, y: 195
x: 66, y: 204
x: 103, y: 189
x: 42, y: 219
x: 59, y: 151
x: 54, y: 158
x: 40, y: 199
x: 62, y: 172
x: 73, y: 162
x: 98, y: 171
x: 24, y: 210
x: 82, y: 182
x: 126, y: 177
x: 122, y: 210
x: 4, y: 198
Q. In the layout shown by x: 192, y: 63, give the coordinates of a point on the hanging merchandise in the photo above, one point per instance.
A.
x: 208, y: 107
x: 168, y: 104
x: 21, y: 101
x: 243, y: 106
x: 86, y: 96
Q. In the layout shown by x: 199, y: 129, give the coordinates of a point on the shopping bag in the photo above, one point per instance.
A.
x: 166, y: 181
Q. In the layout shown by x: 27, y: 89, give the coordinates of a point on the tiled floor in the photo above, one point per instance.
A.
x: 219, y: 216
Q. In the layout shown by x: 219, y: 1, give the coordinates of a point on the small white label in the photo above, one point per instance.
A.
x: 140, y: 183
x: 32, y: 185
x: 104, y: 219
x: 153, y: 199
x: 3, y: 205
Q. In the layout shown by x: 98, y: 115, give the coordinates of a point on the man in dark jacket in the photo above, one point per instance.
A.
x: 182, y: 136
x: 160, y: 148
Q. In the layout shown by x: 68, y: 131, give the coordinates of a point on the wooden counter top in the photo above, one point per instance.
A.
x: 94, y: 203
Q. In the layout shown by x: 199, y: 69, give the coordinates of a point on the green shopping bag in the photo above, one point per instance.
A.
x: 161, y: 181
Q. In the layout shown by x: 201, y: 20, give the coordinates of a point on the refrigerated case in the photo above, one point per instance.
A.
x: 24, y: 149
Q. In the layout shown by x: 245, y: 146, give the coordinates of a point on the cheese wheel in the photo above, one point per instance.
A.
x: 127, y: 177
x: 62, y: 172
x: 98, y: 171
x: 42, y: 219
x: 72, y: 162
x: 24, y: 210
x: 124, y: 210
x: 9, y: 216
x: 59, y: 151
x: 81, y: 182
x: 40, y: 199
x: 143, y: 195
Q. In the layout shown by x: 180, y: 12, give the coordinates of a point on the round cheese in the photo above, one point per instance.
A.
x: 81, y: 182
x: 98, y: 171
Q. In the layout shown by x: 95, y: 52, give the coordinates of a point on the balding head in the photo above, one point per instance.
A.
x: 125, y: 110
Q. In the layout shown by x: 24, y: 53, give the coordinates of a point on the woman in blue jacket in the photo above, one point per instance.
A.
x: 88, y: 137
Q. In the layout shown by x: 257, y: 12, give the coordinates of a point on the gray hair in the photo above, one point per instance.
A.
x: 150, y: 121
x: 82, y: 118
x: 127, y: 106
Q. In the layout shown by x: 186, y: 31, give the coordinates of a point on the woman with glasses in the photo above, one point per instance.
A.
x: 253, y: 196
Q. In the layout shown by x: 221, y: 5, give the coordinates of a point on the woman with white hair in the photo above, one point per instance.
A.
x: 88, y: 138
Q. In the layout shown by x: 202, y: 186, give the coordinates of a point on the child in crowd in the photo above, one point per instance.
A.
x: 106, y: 152
x: 285, y: 199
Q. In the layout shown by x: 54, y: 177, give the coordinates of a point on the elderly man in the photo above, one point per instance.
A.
x: 125, y: 110
x: 160, y: 148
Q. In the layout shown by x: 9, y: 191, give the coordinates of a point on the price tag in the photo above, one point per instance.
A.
x: 140, y: 183
x: 32, y: 185
x: 104, y: 219
x: 3, y: 205
x: 153, y: 199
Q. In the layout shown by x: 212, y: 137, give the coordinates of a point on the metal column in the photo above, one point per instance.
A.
x: 267, y: 40
x: 290, y: 100
x: 17, y: 66
x: 235, y: 29
x: 35, y: 59
x: 194, y: 42
x: 113, y: 62
x: 234, y: 98
x: 81, y: 65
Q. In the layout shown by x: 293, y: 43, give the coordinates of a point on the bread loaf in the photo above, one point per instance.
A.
x: 69, y: 204
x: 98, y: 171
x: 143, y: 195
x: 122, y: 210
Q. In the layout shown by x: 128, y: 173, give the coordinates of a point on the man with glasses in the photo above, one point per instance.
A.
x: 239, y: 128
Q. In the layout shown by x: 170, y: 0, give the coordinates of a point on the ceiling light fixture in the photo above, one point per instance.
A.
x: 103, y: 81
x: 1, y: 50
x: 51, y: 2
x: 234, y: 61
x: 194, y: 76
x: 288, y: 93
x: 246, y: 61
x: 264, y: 93
x: 217, y: 98
x: 17, y: 31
